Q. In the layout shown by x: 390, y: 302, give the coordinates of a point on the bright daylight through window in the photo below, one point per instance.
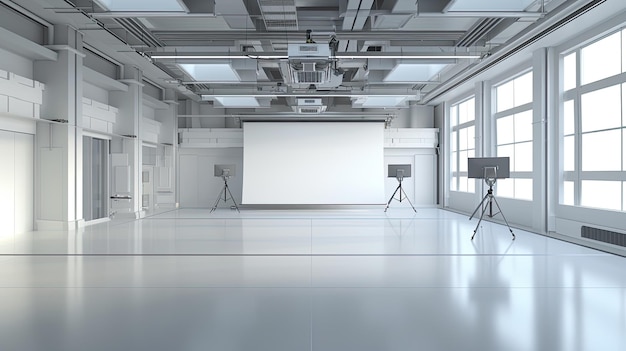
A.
x: 514, y: 135
x: 462, y: 144
x: 593, y: 127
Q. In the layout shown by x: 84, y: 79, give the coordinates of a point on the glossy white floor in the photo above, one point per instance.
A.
x: 307, y: 280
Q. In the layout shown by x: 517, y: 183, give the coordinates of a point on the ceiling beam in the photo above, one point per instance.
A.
x: 300, y: 36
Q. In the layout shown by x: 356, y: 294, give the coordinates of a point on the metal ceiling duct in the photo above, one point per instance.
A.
x: 356, y: 15
x: 139, y: 31
x: 478, y: 31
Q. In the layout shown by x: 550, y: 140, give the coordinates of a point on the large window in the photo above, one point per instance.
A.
x: 514, y: 135
x: 462, y: 144
x: 593, y: 125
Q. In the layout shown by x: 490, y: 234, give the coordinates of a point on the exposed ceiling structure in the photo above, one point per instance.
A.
x: 278, y: 53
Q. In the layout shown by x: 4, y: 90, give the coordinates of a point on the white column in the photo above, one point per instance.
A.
x: 130, y: 105
x: 59, y: 146
x: 541, y: 86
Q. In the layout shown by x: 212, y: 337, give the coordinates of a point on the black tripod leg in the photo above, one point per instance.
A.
x: 481, y: 217
x: 231, y: 197
x: 505, y: 221
x: 407, y: 199
x: 391, y: 198
x: 219, y: 197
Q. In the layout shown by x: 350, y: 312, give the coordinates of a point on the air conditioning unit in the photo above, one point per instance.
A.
x: 310, y: 64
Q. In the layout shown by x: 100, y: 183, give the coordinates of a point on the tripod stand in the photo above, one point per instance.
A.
x: 399, y: 189
x: 226, y: 193
x: 490, y: 199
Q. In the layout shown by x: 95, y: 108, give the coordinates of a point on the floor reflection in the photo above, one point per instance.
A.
x: 185, y: 280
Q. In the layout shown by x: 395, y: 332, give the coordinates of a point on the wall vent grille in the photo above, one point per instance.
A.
x: 606, y: 236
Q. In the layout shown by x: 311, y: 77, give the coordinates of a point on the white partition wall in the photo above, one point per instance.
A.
x: 198, y: 187
x: 16, y: 183
x: 312, y: 163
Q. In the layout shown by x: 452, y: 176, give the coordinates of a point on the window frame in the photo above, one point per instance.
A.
x: 514, y: 111
x: 578, y: 175
x: 455, y: 176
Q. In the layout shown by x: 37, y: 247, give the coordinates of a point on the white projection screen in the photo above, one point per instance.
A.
x: 313, y: 163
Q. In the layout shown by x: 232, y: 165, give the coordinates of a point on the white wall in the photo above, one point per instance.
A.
x: 414, y: 116
x: 421, y: 187
x: 95, y: 93
x: 197, y: 185
x: 16, y: 159
x: 16, y: 64
x: 16, y: 183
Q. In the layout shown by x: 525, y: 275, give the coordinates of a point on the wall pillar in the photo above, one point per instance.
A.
x: 59, y: 178
x: 127, y: 153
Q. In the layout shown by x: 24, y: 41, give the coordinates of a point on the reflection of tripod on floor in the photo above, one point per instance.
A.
x: 399, y: 189
x: 490, y: 179
x: 226, y: 193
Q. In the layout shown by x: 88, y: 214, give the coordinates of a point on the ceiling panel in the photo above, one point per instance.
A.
x: 142, y: 5
x: 440, y: 23
x: 490, y: 5
x: 187, y: 23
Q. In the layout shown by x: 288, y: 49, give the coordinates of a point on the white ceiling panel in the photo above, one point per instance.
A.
x: 237, y: 101
x: 413, y: 72
x: 211, y: 72
x: 142, y: 5
x: 379, y: 101
x: 188, y: 23
x: 439, y: 23
x: 490, y: 5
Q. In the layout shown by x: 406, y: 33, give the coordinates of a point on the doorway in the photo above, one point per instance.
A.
x: 95, y: 178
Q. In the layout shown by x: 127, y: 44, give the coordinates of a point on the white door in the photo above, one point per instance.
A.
x: 16, y: 182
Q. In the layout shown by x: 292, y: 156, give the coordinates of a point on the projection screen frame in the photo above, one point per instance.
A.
x: 327, y: 149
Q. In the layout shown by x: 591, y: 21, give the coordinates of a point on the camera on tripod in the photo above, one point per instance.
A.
x: 490, y: 169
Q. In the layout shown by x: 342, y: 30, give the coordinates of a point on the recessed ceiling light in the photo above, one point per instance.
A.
x: 379, y: 101
x: 211, y: 72
x: 489, y: 5
x: 237, y: 101
x: 413, y: 72
x: 142, y: 5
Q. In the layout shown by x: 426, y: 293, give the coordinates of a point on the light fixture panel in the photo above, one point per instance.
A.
x: 237, y: 101
x: 413, y: 72
x: 142, y: 5
x: 211, y: 72
x: 379, y: 101
x: 489, y: 5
